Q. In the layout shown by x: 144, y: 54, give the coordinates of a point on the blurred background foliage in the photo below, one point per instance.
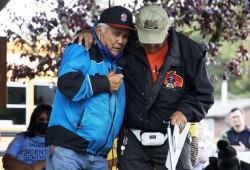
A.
x: 239, y: 86
x: 222, y: 27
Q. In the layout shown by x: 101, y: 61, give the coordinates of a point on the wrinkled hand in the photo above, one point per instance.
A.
x: 179, y: 119
x: 115, y: 81
x: 239, y: 148
x: 85, y: 35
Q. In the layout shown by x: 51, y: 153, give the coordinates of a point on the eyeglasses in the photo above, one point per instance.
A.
x: 235, y: 117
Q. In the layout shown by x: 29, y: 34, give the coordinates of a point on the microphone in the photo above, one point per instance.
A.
x: 120, y: 65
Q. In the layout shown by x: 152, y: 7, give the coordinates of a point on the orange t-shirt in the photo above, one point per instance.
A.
x: 156, y: 60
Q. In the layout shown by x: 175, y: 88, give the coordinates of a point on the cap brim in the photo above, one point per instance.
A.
x: 151, y: 37
x: 121, y: 26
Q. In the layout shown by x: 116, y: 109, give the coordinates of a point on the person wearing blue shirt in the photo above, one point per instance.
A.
x: 27, y: 151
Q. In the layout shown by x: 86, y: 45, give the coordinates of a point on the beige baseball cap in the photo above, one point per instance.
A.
x: 152, y: 24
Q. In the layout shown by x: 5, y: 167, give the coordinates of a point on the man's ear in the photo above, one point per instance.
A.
x: 98, y: 32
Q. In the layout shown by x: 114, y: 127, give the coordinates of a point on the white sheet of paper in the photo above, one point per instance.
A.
x: 178, y: 142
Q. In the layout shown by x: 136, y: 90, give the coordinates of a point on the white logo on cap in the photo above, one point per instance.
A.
x: 124, y: 17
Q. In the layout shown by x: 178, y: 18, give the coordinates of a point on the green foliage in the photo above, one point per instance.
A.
x: 238, y: 87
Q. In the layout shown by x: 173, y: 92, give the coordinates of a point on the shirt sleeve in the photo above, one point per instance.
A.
x: 15, y: 145
x: 199, y: 96
x: 74, y: 80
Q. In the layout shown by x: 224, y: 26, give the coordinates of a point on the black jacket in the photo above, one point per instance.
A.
x: 185, y: 87
x: 227, y: 165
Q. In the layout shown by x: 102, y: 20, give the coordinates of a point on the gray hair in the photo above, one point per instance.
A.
x: 103, y: 26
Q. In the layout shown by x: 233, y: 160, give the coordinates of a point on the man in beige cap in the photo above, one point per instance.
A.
x: 166, y: 79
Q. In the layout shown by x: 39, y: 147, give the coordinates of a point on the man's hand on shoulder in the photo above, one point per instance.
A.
x: 86, y: 36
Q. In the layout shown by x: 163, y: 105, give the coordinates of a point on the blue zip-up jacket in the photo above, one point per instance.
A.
x: 86, y: 116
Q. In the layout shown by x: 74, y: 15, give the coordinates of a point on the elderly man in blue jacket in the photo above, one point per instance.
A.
x: 90, y: 100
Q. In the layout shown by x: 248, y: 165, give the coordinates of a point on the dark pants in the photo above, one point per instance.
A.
x: 139, y: 157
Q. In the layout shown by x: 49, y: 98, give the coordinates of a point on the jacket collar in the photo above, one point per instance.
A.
x: 174, y: 48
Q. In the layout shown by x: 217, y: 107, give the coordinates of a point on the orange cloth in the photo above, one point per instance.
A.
x: 156, y: 60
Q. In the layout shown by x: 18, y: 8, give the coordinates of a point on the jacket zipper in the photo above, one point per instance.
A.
x: 78, y: 126
x: 112, y: 124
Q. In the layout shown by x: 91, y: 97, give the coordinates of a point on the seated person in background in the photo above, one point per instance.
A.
x: 227, y: 159
x: 206, y: 148
x: 239, y: 135
x: 27, y: 150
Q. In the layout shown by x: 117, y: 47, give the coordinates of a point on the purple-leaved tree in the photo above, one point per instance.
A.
x: 46, y: 36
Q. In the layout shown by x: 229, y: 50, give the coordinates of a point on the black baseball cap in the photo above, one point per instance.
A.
x: 118, y: 17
